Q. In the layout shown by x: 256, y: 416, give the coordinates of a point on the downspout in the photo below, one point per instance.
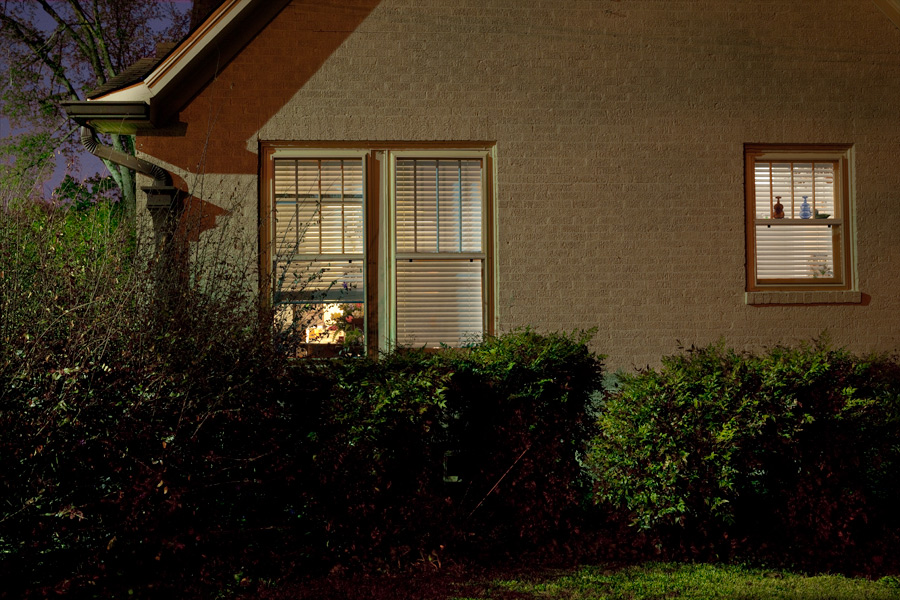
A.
x: 161, y: 177
x: 163, y: 203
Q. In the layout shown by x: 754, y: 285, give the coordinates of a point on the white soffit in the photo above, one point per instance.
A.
x: 180, y: 57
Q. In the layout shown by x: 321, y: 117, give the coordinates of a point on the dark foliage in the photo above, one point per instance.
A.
x: 189, y: 458
x: 459, y: 452
x: 521, y: 421
x: 154, y: 442
x: 786, y: 457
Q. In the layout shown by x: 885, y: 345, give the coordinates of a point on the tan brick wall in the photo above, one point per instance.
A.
x: 619, y: 128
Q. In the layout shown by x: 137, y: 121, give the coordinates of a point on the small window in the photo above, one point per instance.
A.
x: 798, y: 218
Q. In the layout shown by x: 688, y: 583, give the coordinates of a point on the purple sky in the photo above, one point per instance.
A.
x: 87, y: 164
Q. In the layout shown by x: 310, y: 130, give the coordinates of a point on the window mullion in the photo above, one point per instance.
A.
x: 459, y: 186
x: 793, y: 191
x: 437, y: 205
x: 415, y: 228
x: 297, y: 237
x: 319, y: 202
x: 812, y: 178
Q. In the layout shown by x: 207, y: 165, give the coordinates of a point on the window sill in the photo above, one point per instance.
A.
x: 803, y: 297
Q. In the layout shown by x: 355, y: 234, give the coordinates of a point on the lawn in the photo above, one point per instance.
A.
x: 655, y: 581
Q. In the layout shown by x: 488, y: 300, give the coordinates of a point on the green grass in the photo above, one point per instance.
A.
x: 694, y: 582
x: 651, y: 581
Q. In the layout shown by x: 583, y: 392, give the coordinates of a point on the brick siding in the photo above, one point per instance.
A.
x: 619, y: 128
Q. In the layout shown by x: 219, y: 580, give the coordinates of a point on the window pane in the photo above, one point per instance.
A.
x: 796, y: 251
x: 319, y: 280
x: 439, y: 302
x: 438, y: 205
x: 313, y: 326
x: 791, y: 182
x: 824, y: 180
x: 318, y: 253
x: 318, y: 206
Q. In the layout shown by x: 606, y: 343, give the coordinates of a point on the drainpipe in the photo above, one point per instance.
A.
x: 161, y: 177
x: 164, y: 205
x: 161, y: 196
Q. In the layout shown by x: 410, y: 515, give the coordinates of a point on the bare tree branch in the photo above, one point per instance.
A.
x: 92, y: 41
x: 33, y: 40
x: 84, y: 42
x: 101, y: 40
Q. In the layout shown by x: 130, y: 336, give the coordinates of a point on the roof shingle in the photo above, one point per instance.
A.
x: 134, y: 73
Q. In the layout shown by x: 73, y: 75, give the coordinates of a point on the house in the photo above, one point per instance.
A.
x: 667, y: 172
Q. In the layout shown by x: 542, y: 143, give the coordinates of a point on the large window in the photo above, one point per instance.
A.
x: 318, y: 237
x: 378, y: 247
x: 798, y: 218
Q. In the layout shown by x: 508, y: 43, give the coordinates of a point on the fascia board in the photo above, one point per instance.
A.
x: 891, y: 8
x: 110, y: 117
x: 182, y: 55
x: 137, y: 92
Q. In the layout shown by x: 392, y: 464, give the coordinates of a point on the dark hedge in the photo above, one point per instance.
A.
x: 788, y: 456
x: 134, y: 477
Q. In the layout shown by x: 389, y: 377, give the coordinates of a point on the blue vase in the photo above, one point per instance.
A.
x: 805, y: 209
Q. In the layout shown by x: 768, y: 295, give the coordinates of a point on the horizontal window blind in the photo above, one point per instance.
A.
x: 438, y: 205
x: 438, y: 214
x: 791, y: 181
x: 795, y: 252
x: 318, y: 230
x: 310, y: 280
x: 439, y: 302
x: 802, y: 240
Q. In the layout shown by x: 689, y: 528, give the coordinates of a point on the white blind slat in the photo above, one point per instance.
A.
x: 319, y: 280
x: 439, y: 302
x: 439, y: 210
x: 438, y: 205
x: 319, y: 211
x: 796, y: 252
x: 792, y: 181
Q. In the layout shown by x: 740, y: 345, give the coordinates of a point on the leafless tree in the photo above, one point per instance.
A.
x: 59, y: 50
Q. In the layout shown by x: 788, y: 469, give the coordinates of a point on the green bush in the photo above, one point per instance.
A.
x: 521, y: 422
x: 371, y: 473
x: 154, y: 440
x: 786, y: 455
x: 507, y: 417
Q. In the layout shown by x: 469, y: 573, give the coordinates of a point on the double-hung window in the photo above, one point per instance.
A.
x: 798, y: 218
x: 317, y: 247
x: 381, y: 247
x: 439, y: 249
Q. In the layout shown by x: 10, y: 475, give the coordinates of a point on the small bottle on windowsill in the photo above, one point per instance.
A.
x: 778, y: 209
x: 805, y: 209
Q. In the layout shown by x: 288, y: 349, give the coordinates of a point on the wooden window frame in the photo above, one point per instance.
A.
x: 839, y: 154
x: 379, y: 253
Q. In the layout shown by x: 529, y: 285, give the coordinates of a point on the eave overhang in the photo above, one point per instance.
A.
x: 111, y: 117
x: 164, y: 90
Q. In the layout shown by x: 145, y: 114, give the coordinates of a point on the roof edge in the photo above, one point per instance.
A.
x: 110, y: 117
x: 194, y: 43
x: 233, y: 24
x: 891, y: 8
